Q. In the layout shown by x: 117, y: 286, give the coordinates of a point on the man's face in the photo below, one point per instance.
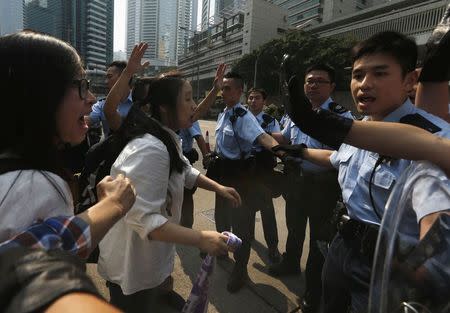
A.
x: 231, y: 91
x: 318, y: 87
x: 112, y: 75
x: 256, y: 102
x: 378, y: 85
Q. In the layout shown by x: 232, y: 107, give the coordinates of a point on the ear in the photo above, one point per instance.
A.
x: 411, y: 79
x: 333, y: 85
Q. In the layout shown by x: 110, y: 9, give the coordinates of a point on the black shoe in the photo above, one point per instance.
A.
x: 285, y: 267
x: 237, y: 279
x: 308, y: 307
x: 274, y: 255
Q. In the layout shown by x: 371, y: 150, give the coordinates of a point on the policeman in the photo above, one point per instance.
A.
x: 97, y: 115
x: 187, y: 136
x: 264, y: 161
x: 236, y: 132
x: 312, y: 193
x: 382, y: 75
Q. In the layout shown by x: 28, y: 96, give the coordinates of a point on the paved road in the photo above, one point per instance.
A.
x: 262, y: 294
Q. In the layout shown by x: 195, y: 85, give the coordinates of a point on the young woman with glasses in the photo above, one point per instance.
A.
x: 46, y: 100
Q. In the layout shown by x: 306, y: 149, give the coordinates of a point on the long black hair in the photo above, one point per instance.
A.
x: 158, y: 92
x: 36, y: 71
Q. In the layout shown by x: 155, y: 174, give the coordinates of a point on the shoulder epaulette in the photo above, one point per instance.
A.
x: 267, y: 118
x: 421, y: 122
x: 239, y: 111
x: 336, y: 108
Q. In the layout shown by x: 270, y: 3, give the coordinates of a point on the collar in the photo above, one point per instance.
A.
x: 326, y: 104
x: 237, y: 105
x: 406, y: 108
x: 259, y: 115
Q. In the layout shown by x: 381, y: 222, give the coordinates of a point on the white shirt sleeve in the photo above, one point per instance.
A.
x: 145, y: 161
x: 191, y: 176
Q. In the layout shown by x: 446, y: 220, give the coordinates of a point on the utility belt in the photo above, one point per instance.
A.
x: 224, y: 168
x: 191, y: 155
x: 360, y: 236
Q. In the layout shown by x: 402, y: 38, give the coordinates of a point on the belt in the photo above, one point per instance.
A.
x: 359, y: 235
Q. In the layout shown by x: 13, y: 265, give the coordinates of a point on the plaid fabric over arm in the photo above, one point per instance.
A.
x: 69, y: 233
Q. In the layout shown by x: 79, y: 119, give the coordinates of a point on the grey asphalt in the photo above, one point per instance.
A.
x: 262, y: 293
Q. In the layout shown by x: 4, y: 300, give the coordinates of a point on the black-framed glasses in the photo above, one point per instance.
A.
x: 317, y: 82
x: 83, y: 87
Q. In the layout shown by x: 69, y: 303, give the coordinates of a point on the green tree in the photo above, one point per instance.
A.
x: 305, y: 50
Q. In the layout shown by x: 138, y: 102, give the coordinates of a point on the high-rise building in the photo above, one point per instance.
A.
x: 98, y: 37
x: 194, y: 15
x: 86, y: 24
x: 163, y: 25
x: 11, y: 17
x: 303, y: 13
x: 206, y: 13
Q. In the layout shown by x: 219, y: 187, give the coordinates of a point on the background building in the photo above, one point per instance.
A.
x: 234, y: 33
x: 11, y: 17
x: 313, y: 12
x: 161, y: 23
x: 85, y: 24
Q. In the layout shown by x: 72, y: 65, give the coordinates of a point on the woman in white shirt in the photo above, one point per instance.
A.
x: 137, y: 255
x: 46, y: 96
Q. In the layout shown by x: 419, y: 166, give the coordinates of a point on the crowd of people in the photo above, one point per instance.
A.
x: 338, y: 175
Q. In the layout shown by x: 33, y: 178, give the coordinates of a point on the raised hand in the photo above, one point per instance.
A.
x: 134, y: 62
x: 119, y: 189
x: 218, y: 79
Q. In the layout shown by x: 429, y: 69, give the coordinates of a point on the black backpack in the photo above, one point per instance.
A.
x: 99, y: 159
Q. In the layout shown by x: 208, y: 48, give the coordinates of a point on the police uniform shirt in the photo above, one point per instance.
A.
x: 423, y: 189
x: 187, y: 136
x: 272, y: 127
x: 98, y: 115
x: 356, y: 165
x: 234, y: 139
x: 284, y: 121
x: 293, y: 134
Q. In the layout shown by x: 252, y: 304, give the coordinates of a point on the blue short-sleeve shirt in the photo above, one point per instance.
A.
x: 98, y: 115
x: 293, y: 134
x: 235, y: 139
x: 272, y: 127
x: 187, y: 136
x: 356, y: 166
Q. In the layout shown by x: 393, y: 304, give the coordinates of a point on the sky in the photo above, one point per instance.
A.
x: 120, y: 18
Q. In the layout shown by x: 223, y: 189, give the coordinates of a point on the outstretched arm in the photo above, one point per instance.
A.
x: 400, y: 141
x: 204, y: 106
x: 121, y: 87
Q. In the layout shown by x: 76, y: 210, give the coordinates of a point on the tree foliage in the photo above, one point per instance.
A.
x: 306, y: 49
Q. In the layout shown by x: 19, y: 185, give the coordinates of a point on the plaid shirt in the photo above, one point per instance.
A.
x: 69, y: 233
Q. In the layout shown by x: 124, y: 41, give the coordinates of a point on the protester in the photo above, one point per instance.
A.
x: 137, y: 256
x: 45, y: 79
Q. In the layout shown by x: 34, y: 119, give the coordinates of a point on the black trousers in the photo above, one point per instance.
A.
x: 313, y: 198
x: 261, y: 199
x: 142, y: 301
x: 238, y: 220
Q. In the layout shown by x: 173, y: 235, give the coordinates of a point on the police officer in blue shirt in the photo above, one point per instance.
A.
x: 97, y: 115
x: 312, y: 192
x: 236, y: 132
x: 187, y: 136
x: 263, y: 178
x: 382, y: 76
